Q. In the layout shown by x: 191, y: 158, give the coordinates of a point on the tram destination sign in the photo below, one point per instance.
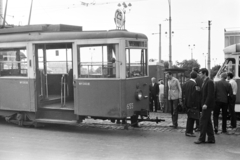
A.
x: 136, y: 44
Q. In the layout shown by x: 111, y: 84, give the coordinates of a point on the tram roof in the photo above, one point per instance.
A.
x: 232, y: 49
x: 60, y: 32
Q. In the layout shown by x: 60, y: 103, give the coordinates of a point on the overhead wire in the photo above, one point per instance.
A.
x: 39, y: 10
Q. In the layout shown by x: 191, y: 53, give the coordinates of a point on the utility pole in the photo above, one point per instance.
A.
x: 30, y: 13
x: 5, y: 13
x: 160, y: 44
x: 170, y: 35
x: 1, y: 12
x: 209, y: 53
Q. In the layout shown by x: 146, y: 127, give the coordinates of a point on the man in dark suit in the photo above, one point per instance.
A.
x: 190, y: 95
x: 199, y: 82
x: 223, y: 91
x: 207, y: 102
x: 153, y: 94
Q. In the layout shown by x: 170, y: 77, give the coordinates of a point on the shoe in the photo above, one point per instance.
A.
x: 231, y: 127
x: 190, y: 135
x: 224, y: 132
x: 216, y: 131
x: 197, y: 130
x: 171, y: 126
x: 211, y: 141
x: 175, y: 127
x: 199, y: 142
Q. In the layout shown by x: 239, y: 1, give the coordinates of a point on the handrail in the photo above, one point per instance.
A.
x: 46, y: 85
x: 63, y: 90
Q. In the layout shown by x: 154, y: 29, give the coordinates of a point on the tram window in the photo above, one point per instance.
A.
x: 58, y: 58
x: 228, y: 66
x: 136, y: 63
x: 13, y: 62
x: 96, y: 61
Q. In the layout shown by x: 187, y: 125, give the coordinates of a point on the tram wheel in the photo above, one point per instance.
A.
x: 113, y: 120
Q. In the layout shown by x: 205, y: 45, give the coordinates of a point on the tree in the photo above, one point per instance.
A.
x: 188, y: 65
x: 214, y: 71
x: 166, y: 64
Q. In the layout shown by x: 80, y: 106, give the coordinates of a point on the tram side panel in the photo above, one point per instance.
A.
x: 100, y: 98
x: 15, y: 95
x: 132, y: 104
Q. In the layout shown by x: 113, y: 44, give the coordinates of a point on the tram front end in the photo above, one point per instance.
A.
x: 114, y: 84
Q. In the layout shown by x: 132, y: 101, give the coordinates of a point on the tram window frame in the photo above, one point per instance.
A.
x: 225, y: 67
x: 104, y: 67
x: 140, y: 69
x: 58, y: 58
x: 13, y: 62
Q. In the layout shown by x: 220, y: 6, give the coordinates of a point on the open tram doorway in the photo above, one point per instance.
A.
x: 54, y: 70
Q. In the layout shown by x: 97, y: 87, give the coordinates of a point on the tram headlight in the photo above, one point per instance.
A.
x: 138, y: 95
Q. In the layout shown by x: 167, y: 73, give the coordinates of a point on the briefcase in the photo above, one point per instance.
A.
x: 193, y: 113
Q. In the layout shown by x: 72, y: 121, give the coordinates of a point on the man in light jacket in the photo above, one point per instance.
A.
x: 174, y: 96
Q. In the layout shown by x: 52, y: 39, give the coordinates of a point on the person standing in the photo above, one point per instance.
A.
x: 153, y: 94
x: 222, y: 90
x: 233, y: 100
x: 161, y: 95
x: 174, y: 96
x: 199, y: 82
x: 190, y: 95
x: 207, y: 103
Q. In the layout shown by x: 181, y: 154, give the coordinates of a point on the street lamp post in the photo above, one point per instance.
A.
x: 214, y: 61
x: 204, y: 55
x: 170, y: 35
x: 193, y: 46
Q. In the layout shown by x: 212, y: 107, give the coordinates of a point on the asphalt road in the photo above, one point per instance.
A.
x: 60, y: 142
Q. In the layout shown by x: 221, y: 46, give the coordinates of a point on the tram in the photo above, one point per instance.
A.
x: 62, y: 74
x: 232, y: 64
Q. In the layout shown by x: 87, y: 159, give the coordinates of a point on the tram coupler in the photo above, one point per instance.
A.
x: 157, y: 120
x: 135, y: 120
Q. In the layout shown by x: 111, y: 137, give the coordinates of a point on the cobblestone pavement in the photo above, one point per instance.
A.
x: 162, y: 126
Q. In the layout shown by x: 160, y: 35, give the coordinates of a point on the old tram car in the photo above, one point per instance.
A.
x: 61, y: 74
x: 232, y: 64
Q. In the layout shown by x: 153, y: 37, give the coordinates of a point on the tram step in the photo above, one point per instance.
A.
x: 57, y: 114
x: 52, y: 101
x: 56, y: 121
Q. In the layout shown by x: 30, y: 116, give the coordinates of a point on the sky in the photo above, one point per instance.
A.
x: 189, y: 22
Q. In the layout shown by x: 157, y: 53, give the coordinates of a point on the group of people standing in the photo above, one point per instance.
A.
x: 200, y: 96
x: 156, y: 95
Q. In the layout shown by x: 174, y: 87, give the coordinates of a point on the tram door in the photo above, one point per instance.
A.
x: 54, y: 75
